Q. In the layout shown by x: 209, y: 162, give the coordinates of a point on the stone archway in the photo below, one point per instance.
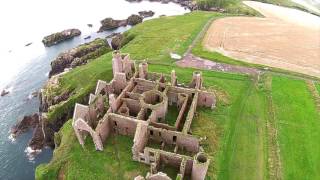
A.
x: 80, y: 125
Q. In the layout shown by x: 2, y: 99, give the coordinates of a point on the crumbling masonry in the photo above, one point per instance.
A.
x: 137, y: 103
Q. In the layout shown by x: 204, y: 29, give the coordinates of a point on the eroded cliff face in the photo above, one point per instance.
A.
x: 25, y: 124
x: 79, y: 55
x: 51, y: 96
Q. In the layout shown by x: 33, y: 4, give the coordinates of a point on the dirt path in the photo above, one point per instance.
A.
x: 313, y: 90
x: 286, y: 38
x: 274, y: 159
x: 196, y: 62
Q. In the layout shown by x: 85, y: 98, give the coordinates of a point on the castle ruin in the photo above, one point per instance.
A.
x: 157, y: 113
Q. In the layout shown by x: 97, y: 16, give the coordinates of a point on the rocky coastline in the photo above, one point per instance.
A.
x: 58, y: 37
x: 44, y: 129
x: 79, y: 55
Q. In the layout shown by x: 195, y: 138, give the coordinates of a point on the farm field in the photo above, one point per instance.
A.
x: 284, y: 38
x: 255, y: 117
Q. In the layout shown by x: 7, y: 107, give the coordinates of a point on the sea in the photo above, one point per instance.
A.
x: 24, y: 69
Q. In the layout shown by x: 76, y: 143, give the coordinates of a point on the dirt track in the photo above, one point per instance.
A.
x: 285, y: 38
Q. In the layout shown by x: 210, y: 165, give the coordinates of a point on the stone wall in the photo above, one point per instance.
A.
x: 138, y: 104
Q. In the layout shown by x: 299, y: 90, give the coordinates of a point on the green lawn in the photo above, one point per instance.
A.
x: 298, y: 128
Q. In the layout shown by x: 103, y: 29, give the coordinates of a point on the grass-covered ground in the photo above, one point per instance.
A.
x: 237, y: 7
x: 71, y: 161
x: 240, y: 142
x: 298, y: 124
x: 229, y: 6
x: 318, y: 87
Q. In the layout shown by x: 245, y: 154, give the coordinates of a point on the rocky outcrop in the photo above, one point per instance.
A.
x: 134, y: 19
x: 47, y: 100
x: 120, y: 40
x: 146, y: 14
x: 25, y: 124
x: 43, y: 136
x: 4, y: 92
x: 112, y: 35
x: 109, y: 23
x: 60, y: 36
x: 28, y: 44
x: 79, y: 55
x: 117, y: 41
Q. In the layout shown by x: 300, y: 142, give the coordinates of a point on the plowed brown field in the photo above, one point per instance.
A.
x: 285, y: 38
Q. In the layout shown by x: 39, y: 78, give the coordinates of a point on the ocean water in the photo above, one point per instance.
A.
x: 24, y: 69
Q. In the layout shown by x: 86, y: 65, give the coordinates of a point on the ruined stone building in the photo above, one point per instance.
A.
x: 140, y: 104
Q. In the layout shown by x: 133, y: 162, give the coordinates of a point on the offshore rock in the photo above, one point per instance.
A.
x: 58, y: 37
x: 4, y: 92
x: 134, y: 19
x: 109, y: 23
x: 146, y: 14
x: 25, y: 124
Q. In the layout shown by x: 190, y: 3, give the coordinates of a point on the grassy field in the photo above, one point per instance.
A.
x: 318, y: 87
x: 229, y: 6
x: 240, y: 142
x: 298, y: 125
x: 236, y: 133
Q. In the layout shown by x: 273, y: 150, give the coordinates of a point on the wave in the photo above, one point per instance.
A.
x: 31, y: 154
x: 12, y: 138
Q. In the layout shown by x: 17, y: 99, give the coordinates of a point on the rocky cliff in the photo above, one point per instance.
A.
x: 79, y: 55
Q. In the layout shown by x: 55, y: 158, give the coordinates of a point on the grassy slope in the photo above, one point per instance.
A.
x: 155, y: 39
x: 298, y: 125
